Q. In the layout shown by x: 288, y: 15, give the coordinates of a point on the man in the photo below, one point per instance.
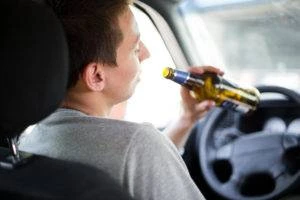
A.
x: 106, y: 52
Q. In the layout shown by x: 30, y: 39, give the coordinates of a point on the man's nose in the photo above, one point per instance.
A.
x: 144, y: 54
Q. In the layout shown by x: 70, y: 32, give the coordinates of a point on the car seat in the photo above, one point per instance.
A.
x: 34, y: 70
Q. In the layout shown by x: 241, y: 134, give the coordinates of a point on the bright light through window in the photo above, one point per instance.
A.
x: 156, y: 99
x: 257, y: 43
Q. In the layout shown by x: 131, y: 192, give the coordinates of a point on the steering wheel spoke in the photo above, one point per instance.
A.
x: 225, y: 152
x: 226, y: 135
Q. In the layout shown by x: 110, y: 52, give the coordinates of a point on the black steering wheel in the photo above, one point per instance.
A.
x: 248, y: 165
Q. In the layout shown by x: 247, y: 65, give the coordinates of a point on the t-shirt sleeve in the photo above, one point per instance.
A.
x: 153, y: 169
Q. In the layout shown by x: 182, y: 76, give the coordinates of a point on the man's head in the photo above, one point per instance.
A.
x: 105, y: 50
x: 92, y: 30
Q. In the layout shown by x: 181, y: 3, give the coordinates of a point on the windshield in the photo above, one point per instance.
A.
x: 255, y: 42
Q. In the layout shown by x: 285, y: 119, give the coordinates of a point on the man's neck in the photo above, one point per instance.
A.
x: 87, y: 103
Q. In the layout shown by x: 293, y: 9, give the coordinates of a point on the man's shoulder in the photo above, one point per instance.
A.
x: 72, y: 123
x: 77, y: 118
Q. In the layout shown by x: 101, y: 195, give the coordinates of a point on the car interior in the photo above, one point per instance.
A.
x: 230, y: 156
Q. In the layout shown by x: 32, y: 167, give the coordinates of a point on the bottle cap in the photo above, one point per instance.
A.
x: 167, y: 72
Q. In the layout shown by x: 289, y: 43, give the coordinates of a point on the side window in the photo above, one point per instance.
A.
x: 156, y: 99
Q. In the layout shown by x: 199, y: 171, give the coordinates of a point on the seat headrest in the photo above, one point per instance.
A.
x: 34, y: 64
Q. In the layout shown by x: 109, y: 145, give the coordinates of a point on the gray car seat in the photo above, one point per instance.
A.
x: 33, y: 78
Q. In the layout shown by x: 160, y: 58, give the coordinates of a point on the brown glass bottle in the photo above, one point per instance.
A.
x: 214, y: 87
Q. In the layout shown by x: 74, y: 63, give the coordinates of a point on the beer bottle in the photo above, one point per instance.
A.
x: 214, y: 87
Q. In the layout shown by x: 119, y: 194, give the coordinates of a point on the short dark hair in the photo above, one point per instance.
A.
x: 92, y: 31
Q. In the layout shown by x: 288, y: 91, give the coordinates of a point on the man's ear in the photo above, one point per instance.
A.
x: 93, y: 76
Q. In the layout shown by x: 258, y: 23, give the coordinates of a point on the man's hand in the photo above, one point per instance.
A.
x: 193, y: 110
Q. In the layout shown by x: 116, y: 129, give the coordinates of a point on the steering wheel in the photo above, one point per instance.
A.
x: 251, y: 165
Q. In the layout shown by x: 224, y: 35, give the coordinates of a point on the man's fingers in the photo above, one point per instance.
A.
x: 203, y: 69
x: 205, y: 105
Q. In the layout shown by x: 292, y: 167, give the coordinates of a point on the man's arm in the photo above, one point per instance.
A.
x: 192, y: 111
x: 178, y: 131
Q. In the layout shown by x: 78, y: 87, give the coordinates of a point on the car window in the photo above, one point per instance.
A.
x: 256, y: 42
x: 156, y: 99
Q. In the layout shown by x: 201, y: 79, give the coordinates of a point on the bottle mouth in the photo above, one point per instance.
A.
x: 167, y: 72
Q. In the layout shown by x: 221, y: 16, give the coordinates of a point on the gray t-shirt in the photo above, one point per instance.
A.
x: 137, y: 156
